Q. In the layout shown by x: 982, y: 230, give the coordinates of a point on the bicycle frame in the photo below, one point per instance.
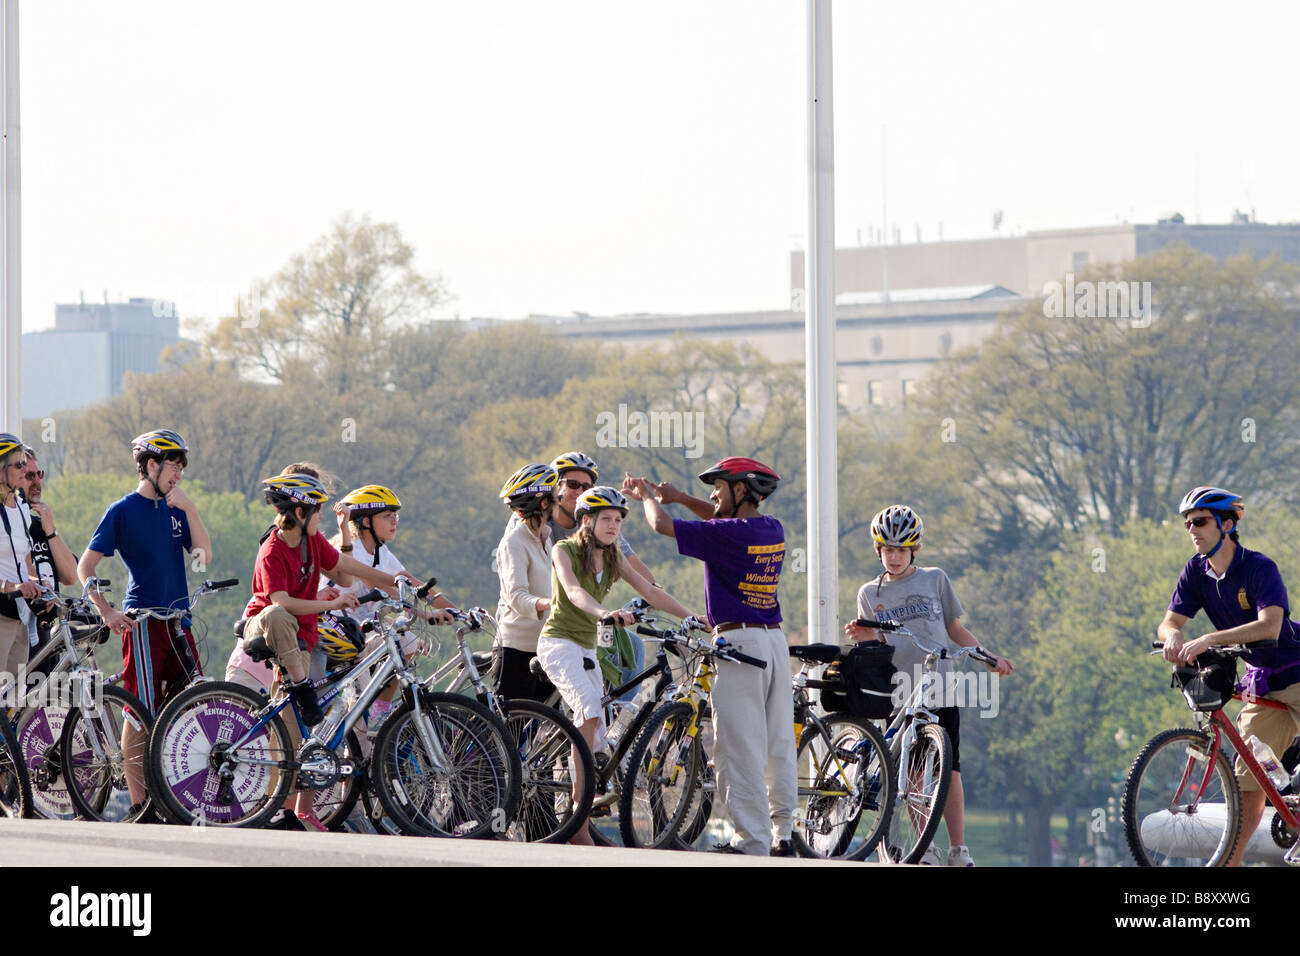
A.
x: 1222, y: 726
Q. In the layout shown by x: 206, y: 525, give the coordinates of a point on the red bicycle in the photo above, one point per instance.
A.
x: 1182, y: 805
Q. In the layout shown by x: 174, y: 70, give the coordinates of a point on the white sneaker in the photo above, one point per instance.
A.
x: 932, y: 857
x: 960, y: 856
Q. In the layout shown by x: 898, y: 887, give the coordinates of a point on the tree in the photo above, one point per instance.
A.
x: 331, y: 311
x: 1076, y: 422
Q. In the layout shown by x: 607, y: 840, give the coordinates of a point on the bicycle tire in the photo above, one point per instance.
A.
x: 198, y: 721
x: 97, y: 775
x: 846, y: 792
x: 1168, y: 767
x: 15, y: 786
x: 475, y: 795
x: 918, y: 809
x: 665, y: 771
x: 547, y: 741
x: 38, y: 731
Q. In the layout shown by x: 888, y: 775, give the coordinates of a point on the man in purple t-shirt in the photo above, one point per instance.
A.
x: 742, y: 553
x: 1243, y: 595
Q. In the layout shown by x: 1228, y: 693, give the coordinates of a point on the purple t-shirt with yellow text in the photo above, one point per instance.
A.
x: 742, y: 565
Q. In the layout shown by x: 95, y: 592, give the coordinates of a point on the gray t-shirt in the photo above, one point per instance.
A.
x: 926, y: 603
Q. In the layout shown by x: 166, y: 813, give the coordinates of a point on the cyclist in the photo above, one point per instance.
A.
x: 54, y: 562
x: 287, y: 598
x: 17, y: 587
x: 742, y: 552
x: 1243, y: 595
x: 367, y: 520
x: 585, y: 568
x: 151, y: 528
x: 924, y: 600
x: 524, y: 567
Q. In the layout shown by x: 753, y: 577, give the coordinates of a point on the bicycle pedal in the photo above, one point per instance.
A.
x: 604, y: 800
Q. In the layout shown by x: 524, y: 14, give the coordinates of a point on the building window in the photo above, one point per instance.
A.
x: 875, y: 393
x: 945, y: 343
x: 877, y: 345
x: 911, y: 389
x: 1080, y: 260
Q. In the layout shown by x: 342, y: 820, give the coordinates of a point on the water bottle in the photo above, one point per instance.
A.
x: 1268, y: 761
x: 628, y: 713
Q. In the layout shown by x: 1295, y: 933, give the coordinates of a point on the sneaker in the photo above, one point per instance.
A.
x: 960, y: 856
x: 304, y: 695
x: 783, y: 848
x: 727, y: 848
x: 932, y: 857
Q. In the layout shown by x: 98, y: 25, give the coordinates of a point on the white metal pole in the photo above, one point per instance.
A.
x: 819, y: 283
x: 11, y: 322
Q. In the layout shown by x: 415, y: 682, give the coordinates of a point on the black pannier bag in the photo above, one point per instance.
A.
x: 867, y: 671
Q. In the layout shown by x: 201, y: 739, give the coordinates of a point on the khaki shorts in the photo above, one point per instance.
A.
x: 1272, y: 726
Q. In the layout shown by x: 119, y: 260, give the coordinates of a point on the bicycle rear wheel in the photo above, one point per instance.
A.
x: 846, y: 789
x: 547, y: 743
x: 464, y: 783
x: 15, y: 787
x: 664, y: 772
x: 919, y: 806
x: 198, y: 777
x: 38, y: 731
x: 1178, y: 808
x: 96, y: 761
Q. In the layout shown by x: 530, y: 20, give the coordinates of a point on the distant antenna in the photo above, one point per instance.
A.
x: 997, y: 220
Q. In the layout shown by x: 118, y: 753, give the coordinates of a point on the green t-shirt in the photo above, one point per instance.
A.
x: 567, y: 620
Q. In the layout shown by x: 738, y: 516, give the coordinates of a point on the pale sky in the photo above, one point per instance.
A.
x: 618, y: 157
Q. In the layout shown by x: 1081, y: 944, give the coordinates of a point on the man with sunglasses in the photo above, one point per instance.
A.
x: 578, y: 475
x: 1243, y: 595
x: 54, y: 562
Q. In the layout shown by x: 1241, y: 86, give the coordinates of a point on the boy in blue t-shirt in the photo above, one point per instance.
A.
x: 151, y: 528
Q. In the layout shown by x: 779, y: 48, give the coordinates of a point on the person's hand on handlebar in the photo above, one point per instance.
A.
x: 619, y: 617
x: 857, y: 633
x: 118, y: 622
x: 344, y: 600
x: 1186, y: 653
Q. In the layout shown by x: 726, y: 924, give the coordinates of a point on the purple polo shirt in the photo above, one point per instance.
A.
x: 1252, y: 582
x: 742, y: 565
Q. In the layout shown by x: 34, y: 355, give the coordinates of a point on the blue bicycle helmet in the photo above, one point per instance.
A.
x: 1220, y: 503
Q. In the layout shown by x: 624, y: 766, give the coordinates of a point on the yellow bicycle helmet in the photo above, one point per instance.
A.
x: 370, y: 499
x: 600, y: 498
x: 287, y: 491
x: 575, y: 461
x: 341, y: 640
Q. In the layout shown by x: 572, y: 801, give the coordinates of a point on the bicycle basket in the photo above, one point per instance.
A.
x: 1207, y: 683
x: 834, y: 699
x: 868, y: 674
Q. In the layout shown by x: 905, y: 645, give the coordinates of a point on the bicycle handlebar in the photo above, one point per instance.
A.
x: 879, y: 625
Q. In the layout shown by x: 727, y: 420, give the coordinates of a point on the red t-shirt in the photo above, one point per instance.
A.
x: 279, y: 568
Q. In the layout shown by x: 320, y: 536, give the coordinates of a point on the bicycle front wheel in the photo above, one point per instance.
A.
x: 457, y: 776
x: 559, y: 773
x: 1179, y: 807
x: 664, y: 772
x: 15, y: 788
x: 919, y: 809
x: 37, y: 730
x: 846, y: 789
x: 102, y: 750
x: 197, y: 774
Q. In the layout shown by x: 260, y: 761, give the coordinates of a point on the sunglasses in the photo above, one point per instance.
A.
x: 575, y: 485
x: 1200, y: 522
x: 33, y: 475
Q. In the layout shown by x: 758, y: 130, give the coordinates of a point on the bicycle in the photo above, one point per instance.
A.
x: 667, y: 766
x: 846, y: 794
x: 549, y: 810
x: 15, y: 785
x: 104, y: 749
x: 1182, y: 804
x: 921, y: 754
x: 69, y: 676
x: 442, y: 764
